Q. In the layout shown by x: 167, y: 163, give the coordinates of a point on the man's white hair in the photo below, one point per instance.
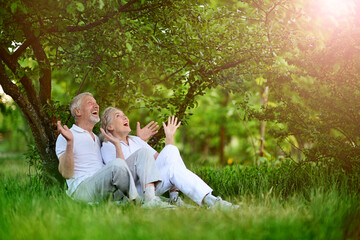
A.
x: 76, y: 102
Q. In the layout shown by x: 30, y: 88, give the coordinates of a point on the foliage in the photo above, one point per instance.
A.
x: 159, y: 57
x: 14, y: 133
x: 283, y: 181
x: 136, y: 54
x: 35, y: 166
x: 317, y: 94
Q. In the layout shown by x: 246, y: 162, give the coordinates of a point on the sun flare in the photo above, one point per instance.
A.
x: 337, y: 7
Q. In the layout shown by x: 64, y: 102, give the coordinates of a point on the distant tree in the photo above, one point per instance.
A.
x: 318, y: 93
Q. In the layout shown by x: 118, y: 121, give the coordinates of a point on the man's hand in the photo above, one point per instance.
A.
x: 170, y: 129
x: 65, y: 131
x: 148, y: 131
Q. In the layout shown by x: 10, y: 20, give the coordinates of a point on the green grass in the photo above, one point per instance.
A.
x: 314, y: 210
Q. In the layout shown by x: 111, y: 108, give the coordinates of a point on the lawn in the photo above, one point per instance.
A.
x: 314, y: 211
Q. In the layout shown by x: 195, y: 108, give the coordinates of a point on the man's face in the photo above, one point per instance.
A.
x: 120, y: 123
x: 89, y: 109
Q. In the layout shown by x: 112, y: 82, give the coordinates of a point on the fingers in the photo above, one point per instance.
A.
x: 149, y: 124
x: 102, y: 131
x: 154, y: 127
x: 173, y: 121
x: 60, y: 128
x: 137, y: 125
x: 109, y: 136
x: 58, y: 125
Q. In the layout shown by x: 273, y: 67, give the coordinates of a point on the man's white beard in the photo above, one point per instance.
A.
x: 94, y: 119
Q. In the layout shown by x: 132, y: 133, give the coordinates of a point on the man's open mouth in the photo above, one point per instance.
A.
x: 126, y: 124
x: 94, y: 113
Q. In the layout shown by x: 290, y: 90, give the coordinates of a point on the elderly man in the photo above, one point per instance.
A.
x: 81, y: 164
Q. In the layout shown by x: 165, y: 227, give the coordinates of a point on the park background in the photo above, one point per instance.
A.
x: 268, y: 93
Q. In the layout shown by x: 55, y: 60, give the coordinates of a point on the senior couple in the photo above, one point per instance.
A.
x: 124, y: 166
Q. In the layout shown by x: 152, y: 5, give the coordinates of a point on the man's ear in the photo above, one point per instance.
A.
x: 77, y: 112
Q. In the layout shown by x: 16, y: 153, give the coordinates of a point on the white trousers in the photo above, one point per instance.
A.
x: 174, y: 173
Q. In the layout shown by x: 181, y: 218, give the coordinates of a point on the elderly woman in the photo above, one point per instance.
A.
x: 173, y: 171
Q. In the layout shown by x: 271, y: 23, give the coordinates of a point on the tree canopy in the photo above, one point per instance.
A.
x: 164, y: 54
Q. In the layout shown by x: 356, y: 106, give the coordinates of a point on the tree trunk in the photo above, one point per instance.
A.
x: 222, y: 131
x: 222, y: 145
x: 264, y: 100
x: 40, y: 124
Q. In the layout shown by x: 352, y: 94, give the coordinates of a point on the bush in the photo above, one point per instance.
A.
x: 284, y: 180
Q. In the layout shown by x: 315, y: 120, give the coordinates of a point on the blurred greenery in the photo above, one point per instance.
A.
x: 15, y: 134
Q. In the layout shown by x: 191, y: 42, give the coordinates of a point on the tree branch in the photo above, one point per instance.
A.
x: 22, y: 48
x: 15, y: 67
x: 24, y: 103
x: 43, y: 61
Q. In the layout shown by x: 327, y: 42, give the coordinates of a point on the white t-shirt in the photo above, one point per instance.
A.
x: 87, y: 156
x: 108, y: 150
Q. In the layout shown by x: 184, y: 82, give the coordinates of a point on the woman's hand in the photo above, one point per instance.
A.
x: 148, y: 131
x: 115, y: 141
x: 170, y: 129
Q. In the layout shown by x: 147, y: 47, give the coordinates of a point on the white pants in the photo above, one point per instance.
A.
x: 174, y: 173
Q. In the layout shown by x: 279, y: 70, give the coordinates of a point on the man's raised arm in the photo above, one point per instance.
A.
x: 66, y: 160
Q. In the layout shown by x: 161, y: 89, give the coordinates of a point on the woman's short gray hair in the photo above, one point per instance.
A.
x: 106, y: 119
x: 76, y: 102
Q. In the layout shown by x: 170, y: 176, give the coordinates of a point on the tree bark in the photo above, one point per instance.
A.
x: 264, y: 100
x: 39, y: 122
x: 222, y: 131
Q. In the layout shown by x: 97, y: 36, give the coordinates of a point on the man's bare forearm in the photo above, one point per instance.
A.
x: 66, y: 162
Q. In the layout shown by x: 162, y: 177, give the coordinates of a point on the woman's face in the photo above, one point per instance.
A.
x: 119, y: 123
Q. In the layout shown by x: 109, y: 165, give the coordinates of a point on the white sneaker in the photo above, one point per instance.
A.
x: 156, y: 203
x: 180, y: 203
x: 222, y: 204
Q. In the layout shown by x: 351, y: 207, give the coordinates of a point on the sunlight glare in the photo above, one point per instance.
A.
x: 3, y: 97
x: 336, y: 7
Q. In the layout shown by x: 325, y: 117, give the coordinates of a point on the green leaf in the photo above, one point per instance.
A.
x: 79, y: 6
x: 37, y: 32
x: 13, y: 7
x: 101, y: 4
x: 129, y: 47
x: 70, y: 9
